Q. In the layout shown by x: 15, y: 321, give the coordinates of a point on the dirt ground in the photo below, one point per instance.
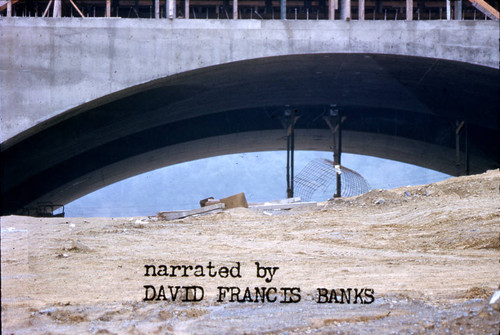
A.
x: 429, y: 256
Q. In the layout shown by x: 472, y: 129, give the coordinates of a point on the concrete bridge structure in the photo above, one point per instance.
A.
x: 87, y: 102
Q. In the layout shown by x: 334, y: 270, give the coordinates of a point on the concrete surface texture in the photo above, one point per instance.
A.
x: 52, y: 65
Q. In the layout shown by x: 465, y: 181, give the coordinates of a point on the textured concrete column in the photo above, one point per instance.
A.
x: 186, y: 9
x: 409, y: 10
x: 108, y: 8
x: 57, y: 12
x: 448, y: 10
x: 458, y: 10
x: 361, y: 10
x: 235, y: 9
x: 9, y: 8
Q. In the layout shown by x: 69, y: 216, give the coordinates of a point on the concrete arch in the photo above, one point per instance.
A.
x: 50, y: 66
x: 397, y: 107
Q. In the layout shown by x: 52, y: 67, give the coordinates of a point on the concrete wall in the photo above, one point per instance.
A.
x: 49, y: 66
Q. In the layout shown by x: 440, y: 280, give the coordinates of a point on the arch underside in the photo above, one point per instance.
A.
x: 396, y: 107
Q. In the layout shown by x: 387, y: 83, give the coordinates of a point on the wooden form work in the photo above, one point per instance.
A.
x: 57, y: 9
x: 453, y: 7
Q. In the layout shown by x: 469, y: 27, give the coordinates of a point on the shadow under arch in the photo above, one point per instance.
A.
x: 397, y: 107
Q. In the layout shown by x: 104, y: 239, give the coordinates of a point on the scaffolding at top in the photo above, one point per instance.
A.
x: 257, y: 9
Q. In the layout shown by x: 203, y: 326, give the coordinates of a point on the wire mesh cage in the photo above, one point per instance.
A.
x: 317, y: 181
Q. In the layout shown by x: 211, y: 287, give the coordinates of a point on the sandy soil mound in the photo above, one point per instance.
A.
x: 421, y: 259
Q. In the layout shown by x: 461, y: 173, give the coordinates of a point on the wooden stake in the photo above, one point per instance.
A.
x: 108, y: 8
x: 57, y: 10
x: 409, y: 10
x: 78, y: 10
x: 47, y: 9
x: 171, y: 9
x: 347, y: 11
x: 157, y: 9
x: 331, y: 10
x: 361, y: 10
x: 9, y: 8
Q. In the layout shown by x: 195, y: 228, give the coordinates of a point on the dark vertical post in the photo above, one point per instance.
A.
x: 288, y: 186
x: 457, y: 151
x: 467, y: 161
x: 334, y: 121
x: 288, y: 121
x: 292, y: 145
x: 338, y: 154
x: 457, y: 146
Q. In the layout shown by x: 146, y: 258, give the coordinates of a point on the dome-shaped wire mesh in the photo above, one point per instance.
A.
x: 318, y: 181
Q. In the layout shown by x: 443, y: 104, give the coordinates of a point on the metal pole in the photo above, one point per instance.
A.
x: 467, y: 160
x: 448, y: 10
x: 292, y: 153
x: 457, y: 146
x: 457, y: 153
x: 338, y: 154
x: 334, y: 122
x: 288, y: 120
x: 235, y: 9
x: 283, y: 10
x: 186, y: 9
x: 288, y: 186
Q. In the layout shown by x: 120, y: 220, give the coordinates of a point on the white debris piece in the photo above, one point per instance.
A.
x: 495, y: 300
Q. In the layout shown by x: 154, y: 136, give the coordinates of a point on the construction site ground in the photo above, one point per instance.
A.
x: 430, y: 255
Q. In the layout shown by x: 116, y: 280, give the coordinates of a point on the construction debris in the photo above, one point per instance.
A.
x: 275, y: 202
x: 174, y: 215
x: 209, y: 201
x: 237, y: 200
x: 212, y: 205
x: 285, y: 206
x: 495, y: 300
